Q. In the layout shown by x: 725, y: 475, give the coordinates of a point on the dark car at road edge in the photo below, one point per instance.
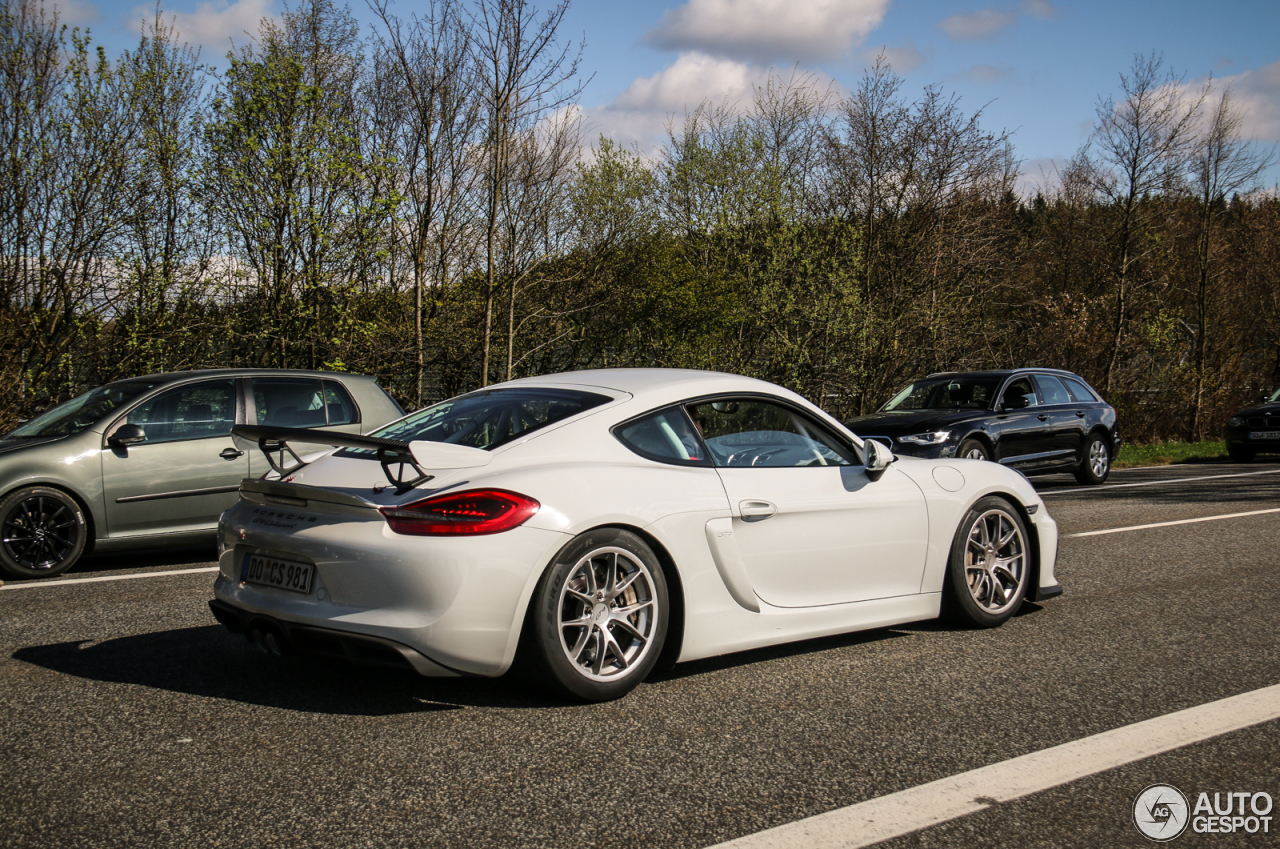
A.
x: 1254, y: 431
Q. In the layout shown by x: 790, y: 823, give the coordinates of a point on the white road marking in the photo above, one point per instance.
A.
x: 1084, y: 490
x: 940, y: 801
x: 1177, y: 522
x: 62, y: 583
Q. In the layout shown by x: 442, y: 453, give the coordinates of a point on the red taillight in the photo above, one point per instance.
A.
x: 476, y: 511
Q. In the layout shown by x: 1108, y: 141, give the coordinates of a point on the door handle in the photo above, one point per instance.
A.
x: 1042, y: 417
x: 756, y: 511
x: 230, y: 454
x: 1080, y: 413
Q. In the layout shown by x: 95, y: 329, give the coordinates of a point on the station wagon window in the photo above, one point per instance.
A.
x: 1079, y: 392
x: 1051, y: 390
x: 489, y: 418
x: 302, y: 402
x: 666, y: 436
x: 195, y: 411
x: 752, y: 432
x: 1019, y: 389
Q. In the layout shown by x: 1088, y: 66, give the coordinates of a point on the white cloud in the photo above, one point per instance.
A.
x: 216, y: 23
x: 902, y: 60
x: 1257, y: 93
x: 640, y: 114
x: 986, y: 23
x: 783, y: 31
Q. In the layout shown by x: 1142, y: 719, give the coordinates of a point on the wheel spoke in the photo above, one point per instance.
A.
x: 640, y: 605
x: 582, y: 597
x: 611, y: 576
x: 575, y: 653
x: 1007, y: 538
x: 625, y: 624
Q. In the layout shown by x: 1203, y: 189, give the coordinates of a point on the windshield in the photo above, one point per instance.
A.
x: 83, y: 412
x: 488, y: 418
x: 946, y: 393
x: 1275, y: 396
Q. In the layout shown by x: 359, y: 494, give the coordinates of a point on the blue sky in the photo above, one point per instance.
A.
x: 1036, y: 67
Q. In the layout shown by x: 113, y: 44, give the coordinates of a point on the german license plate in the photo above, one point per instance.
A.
x: 1264, y: 434
x: 274, y: 572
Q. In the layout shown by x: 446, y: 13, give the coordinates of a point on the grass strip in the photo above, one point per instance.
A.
x: 1168, y: 453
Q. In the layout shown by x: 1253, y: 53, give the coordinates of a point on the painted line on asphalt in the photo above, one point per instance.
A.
x: 911, y: 810
x: 1084, y: 490
x: 59, y: 582
x: 1176, y: 522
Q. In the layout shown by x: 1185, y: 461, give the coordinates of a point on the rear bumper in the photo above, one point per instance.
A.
x: 361, y: 649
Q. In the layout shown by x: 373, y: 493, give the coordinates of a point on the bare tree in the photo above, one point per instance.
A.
x: 1222, y: 163
x: 525, y: 74
x: 1142, y: 142
x: 425, y: 102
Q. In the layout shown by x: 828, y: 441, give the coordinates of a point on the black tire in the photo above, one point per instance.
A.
x: 1239, y: 455
x: 973, y: 449
x: 1096, y: 465
x: 44, y: 533
x: 979, y: 590
x: 578, y: 660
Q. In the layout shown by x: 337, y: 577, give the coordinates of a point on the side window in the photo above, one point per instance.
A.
x: 338, y: 404
x: 1051, y: 390
x: 289, y: 401
x: 1020, y: 394
x: 750, y: 432
x: 196, y: 411
x: 1079, y: 392
x: 666, y: 436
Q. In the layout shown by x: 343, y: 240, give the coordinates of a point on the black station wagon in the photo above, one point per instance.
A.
x: 1036, y: 420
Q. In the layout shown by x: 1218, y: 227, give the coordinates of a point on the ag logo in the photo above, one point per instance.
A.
x: 1160, y: 812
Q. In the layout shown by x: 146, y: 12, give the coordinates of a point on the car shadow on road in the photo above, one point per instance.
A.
x: 210, y: 662
x: 175, y: 558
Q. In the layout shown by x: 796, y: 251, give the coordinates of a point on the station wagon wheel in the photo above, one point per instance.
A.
x: 989, y: 566
x: 972, y: 449
x: 600, y: 615
x: 42, y: 533
x: 1096, y: 465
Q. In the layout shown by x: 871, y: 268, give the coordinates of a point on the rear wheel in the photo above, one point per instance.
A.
x: 989, y: 567
x: 600, y: 616
x: 43, y: 533
x: 1096, y: 465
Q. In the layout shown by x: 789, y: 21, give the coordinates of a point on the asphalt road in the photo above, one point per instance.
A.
x: 129, y: 718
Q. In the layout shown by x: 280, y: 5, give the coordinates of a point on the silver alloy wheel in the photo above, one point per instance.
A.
x: 1099, y: 458
x: 40, y: 532
x: 995, y: 561
x: 975, y: 453
x: 608, y: 611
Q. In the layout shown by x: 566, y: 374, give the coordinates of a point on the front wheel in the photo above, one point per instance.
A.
x: 44, y: 533
x: 599, y: 616
x: 1096, y: 465
x: 989, y: 566
x: 972, y: 449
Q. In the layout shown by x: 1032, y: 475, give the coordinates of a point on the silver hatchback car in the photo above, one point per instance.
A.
x: 150, y: 461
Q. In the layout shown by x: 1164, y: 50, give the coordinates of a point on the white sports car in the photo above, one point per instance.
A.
x: 593, y: 526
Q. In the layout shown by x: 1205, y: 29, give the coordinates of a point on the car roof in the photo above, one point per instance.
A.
x: 1005, y: 372
x: 645, y: 381
x: 173, y: 376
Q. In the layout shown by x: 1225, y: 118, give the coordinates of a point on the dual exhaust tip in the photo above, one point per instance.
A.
x: 267, y: 636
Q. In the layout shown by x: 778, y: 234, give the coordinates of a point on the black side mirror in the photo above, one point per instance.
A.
x: 127, y: 434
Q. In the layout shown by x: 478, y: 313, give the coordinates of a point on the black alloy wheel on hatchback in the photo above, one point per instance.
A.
x: 1035, y: 420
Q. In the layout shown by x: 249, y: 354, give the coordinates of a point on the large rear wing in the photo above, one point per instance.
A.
x: 402, y: 468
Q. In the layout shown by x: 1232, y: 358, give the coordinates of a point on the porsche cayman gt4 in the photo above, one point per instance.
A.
x: 591, y: 527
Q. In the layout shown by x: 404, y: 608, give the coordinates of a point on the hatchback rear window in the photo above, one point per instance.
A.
x: 489, y: 418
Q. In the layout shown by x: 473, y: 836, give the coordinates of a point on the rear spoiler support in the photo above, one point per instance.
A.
x: 398, y: 463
